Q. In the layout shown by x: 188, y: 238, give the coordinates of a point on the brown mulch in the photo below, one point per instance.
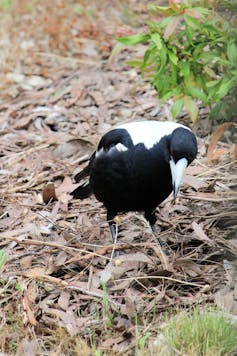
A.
x: 59, y: 272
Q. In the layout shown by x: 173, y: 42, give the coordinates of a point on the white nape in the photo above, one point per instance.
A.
x: 149, y: 132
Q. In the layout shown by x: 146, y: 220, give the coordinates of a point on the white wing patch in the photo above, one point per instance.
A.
x: 119, y: 147
x: 150, y: 132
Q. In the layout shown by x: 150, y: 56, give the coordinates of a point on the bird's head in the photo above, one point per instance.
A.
x: 183, y: 150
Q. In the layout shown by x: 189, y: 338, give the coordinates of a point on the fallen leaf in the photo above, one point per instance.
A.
x: 194, y: 182
x: 63, y: 300
x: 28, y: 308
x: 128, y: 262
x: 188, y: 266
x: 36, y: 272
x: 26, y: 347
x: 211, y: 154
x: 200, y: 234
x: 233, y: 152
x: 130, y: 308
x: 49, y: 193
x: 62, y: 193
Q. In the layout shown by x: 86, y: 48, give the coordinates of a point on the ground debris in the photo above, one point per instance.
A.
x: 58, y: 274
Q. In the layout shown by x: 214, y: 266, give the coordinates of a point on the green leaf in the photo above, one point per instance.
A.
x: 173, y: 58
x: 210, y: 72
x: 147, y: 55
x: 189, y: 33
x: 191, y: 22
x: 197, y: 12
x: 191, y: 107
x: 117, y: 48
x: 173, y: 68
x: 196, y: 93
x: 165, y: 22
x: 177, y: 107
x: 198, y: 49
x: 171, y: 27
x: 133, y: 39
x: 155, y: 37
x: 212, y: 83
x: 232, y: 51
x: 166, y: 10
x: 135, y: 63
x: 184, y: 68
x: 169, y: 94
x: 163, y: 57
x: 224, y: 88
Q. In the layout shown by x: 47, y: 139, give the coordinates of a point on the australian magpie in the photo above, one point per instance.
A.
x: 136, y: 166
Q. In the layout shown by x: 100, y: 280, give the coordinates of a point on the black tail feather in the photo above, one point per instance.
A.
x: 86, y: 171
x: 83, y: 174
x: 82, y: 192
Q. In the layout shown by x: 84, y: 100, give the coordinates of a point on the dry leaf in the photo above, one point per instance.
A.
x: 211, y: 153
x: 200, y: 234
x: 127, y: 263
x: 188, y: 266
x: 49, y: 193
x: 63, y: 300
x: 26, y: 348
x: 194, y: 182
x: 130, y: 308
x: 28, y: 308
x: 36, y: 272
x: 62, y: 193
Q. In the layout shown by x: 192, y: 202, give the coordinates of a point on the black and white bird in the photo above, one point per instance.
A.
x: 136, y: 166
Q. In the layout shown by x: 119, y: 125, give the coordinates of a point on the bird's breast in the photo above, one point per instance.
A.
x: 131, y: 180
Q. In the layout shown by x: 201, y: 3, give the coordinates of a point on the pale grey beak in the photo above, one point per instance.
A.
x: 177, y: 173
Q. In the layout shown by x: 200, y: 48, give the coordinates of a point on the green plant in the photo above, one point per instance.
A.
x: 19, y: 287
x: 142, y: 341
x: 191, y: 54
x: 3, y: 258
x: 204, y: 332
x: 5, y: 4
x: 107, y: 316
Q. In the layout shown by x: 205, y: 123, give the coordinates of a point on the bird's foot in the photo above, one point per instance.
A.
x: 114, y: 234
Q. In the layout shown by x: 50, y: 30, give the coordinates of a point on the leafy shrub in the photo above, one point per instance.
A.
x: 191, y: 54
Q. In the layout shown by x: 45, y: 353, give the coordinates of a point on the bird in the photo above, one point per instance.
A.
x: 135, y: 167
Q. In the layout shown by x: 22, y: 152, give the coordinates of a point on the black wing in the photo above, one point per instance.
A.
x: 114, y: 137
x: 109, y: 140
x: 84, y: 190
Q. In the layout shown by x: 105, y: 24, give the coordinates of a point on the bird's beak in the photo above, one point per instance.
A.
x: 177, y: 173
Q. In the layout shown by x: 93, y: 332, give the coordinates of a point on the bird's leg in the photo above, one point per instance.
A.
x: 154, y: 230
x: 113, y: 226
x: 151, y: 218
x: 114, y: 231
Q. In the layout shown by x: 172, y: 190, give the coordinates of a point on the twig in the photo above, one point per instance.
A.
x: 48, y: 279
x: 69, y: 59
x: 160, y: 277
x: 214, y: 169
x: 4, y: 214
x: 49, y: 244
x: 92, y: 294
x: 221, y: 199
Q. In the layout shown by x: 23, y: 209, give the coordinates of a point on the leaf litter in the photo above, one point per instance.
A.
x: 59, y: 274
